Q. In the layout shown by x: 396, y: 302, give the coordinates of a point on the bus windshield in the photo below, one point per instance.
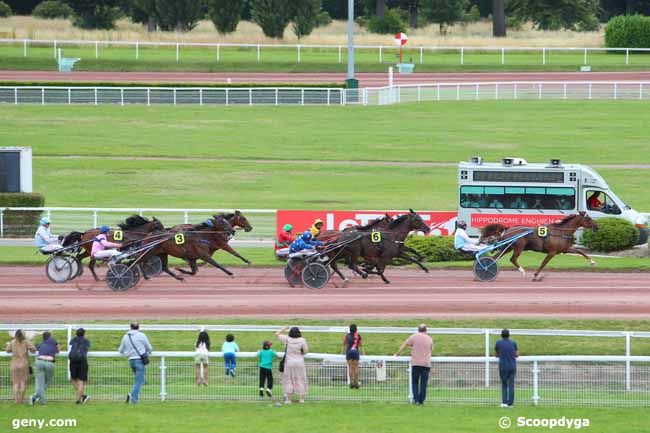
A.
x: 518, y: 197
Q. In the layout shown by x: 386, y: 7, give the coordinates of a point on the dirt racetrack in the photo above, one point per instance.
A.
x: 27, y: 295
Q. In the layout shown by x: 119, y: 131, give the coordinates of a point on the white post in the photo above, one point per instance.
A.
x: 390, y: 76
x: 218, y: 52
x: 186, y: 217
x: 543, y: 56
x: 226, y: 96
x: 55, y: 49
x: 410, y: 382
x: 476, y: 92
x: 496, y: 91
x: 95, y: 91
x: 258, y: 52
x: 540, y: 90
x: 67, y: 343
x: 380, y: 59
x: 16, y: 95
x: 564, y: 94
x: 328, y: 96
x: 97, y: 49
x: 2, y: 224
x: 69, y: 95
x: 458, y: 92
x: 365, y: 96
x: 250, y: 96
x: 535, y: 383
x: 277, y: 99
x: 515, y: 90
x: 640, y: 90
x: 419, y: 93
x: 503, y: 56
x: 302, y: 96
x: 340, y: 55
x: 95, y: 219
x: 438, y: 92
x: 628, y: 371
x: 421, y: 55
x: 148, y: 96
x: 137, y: 51
x: 615, y: 90
x: 25, y: 48
x: 585, y: 60
x: 122, y: 97
x: 627, y: 56
x: 42, y: 95
x: 163, y: 387
x: 177, y: 49
x: 200, y: 96
x: 589, y: 90
x: 299, y: 57
x: 487, y: 358
x: 174, y: 93
x: 462, y: 55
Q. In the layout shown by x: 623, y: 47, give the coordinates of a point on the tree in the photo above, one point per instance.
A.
x: 611, y: 8
x: 338, y: 9
x: 304, y: 13
x: 444, y: 12
x: 498, y: 18
x: 95, y: 14
x: 145, y: 12
x: 557, y: 14
x: 272, y: 16
x: 380, y: 8
x: 22, y: 7
x: 225, y: 14
x: 179, y: 15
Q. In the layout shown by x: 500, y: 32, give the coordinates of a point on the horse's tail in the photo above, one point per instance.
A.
x: 492, y: 231
x: 71, y: 238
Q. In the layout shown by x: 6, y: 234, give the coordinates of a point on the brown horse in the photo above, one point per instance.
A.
x: 492, y: 233
x: 132, y: 229
x: 196, y: 242
x: 552, y: 239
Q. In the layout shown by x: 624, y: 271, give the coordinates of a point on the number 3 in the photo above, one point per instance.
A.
x: 179, y: 239
x: 542, y: 231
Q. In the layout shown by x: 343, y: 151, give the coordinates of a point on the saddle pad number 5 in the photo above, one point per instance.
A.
x: 118, y: 235
x: 375, y: 237
x: 542, y: 231
x: 179, y: 239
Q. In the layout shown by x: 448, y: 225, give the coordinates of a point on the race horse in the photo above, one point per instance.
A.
x: 551, y: 239
x: 131, y: 230
x: 378, y: 248
x: 192, y: 243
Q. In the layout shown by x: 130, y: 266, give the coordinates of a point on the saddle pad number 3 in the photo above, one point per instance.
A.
x: 375, y: 237
x: 542, y: 231
x: 179, y: 239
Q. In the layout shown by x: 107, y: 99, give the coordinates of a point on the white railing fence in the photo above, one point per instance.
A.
x: 513, y: 90
x: 381, y: 53
x: 554, y: 380
x: 174, y: 95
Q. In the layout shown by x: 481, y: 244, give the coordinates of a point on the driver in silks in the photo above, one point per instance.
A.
x: 304, y: 242
x: 463, y: 242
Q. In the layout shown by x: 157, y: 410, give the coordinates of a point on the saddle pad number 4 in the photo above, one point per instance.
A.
x: 375, y: 237
x: 179, y: 239
x: 118, y: 235
x: 542, y: 231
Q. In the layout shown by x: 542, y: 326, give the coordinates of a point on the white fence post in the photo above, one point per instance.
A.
x: 177, y: 49
x: 163, y: 384
x: 67, y: 343
x: 137, y: 51
x: 627, y: 56
x: 174, y: 93
x: 25, y: 48
x: 148, y: 96
x: 540, y: 90
x: 641, y: 91
x: 227, y: 99
x: 302, y: 96
x: 42, y: 95
x: 421, y: 55
x: 438, y: 91
x: 487, y: 357
x: 97, y: 49
x: 564, y: 91
x: 380, y: 59
x: 218, y: 52
x: 503, y: 56
x: 457, y: 92
x: 589, y: 90
x: 258, y: 52
x: 628, y: 350
x: 2, y: 223
x: 250, y: 96
x: 328, y: 96
x: 186, y: 217
x: 476, y: 97
x: 462, y: 55
x: 410, y: 382
x: 201, y: 96
x: 55, y: 49
x: 340, y: 55
x: 615, y: 90
x: 16, y: 95
x: 95, y: 219
x: 95, y: 95
x: 122, y: 97
x: 69, y: 95
x: 585, y: 59
x: 543, y: 56
x: 277, y: 97
x: 515, y: 91
x: 299, y: 54
x: 535, y: 383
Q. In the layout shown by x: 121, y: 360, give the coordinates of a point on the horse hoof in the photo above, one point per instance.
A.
x: 593, y: 263
x: 364, y: 276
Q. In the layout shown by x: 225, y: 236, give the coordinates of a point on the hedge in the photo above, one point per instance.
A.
x: 614, y: 234
x: 393, y: 22
x: 66, y: 84
x: 436, y: 248
x: 51, y: 9
x: 19, y: 224
x: 5, y: 10
x: 628, y: 31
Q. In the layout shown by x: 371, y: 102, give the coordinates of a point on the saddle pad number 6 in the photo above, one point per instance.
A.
x: 542, y: 231
x: 179, y: 238
x: 118, y: 235
x: 375, y: 237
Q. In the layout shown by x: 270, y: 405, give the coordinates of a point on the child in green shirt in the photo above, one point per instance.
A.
x: 266, y: 356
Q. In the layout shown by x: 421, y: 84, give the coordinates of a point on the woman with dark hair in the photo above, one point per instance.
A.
x: 19, y: 347
x: 78, y: 357
x: 352, y: 346
x: 201, y: 358
x: 294, y: 377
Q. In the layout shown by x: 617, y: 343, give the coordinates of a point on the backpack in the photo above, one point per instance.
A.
x: 75, y: 354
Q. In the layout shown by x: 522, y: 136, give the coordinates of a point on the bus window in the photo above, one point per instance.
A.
x: 515, y: 197
x: 599, y: 201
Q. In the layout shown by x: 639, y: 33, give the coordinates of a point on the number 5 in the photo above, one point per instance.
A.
x: 542, y: 231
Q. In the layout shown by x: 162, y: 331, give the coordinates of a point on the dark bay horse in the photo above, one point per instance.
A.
x: 196, y: 242
x: 552, y: 239
x: 133, y: 228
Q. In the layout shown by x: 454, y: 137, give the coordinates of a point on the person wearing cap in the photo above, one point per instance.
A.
x: 304, y: 242
x: 315, y: 228
x: 102, y: 248
x: 285, y: 237
x: 463, y: 242
x: 265, y: 363
x: 44, y: 239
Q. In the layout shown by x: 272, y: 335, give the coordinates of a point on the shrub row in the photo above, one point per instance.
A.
x: 436, y: 248
x: 51, y: 9
x: 176, y: 85
x: 628, y: 31
x: 19, y: 224
x: 614, y: 234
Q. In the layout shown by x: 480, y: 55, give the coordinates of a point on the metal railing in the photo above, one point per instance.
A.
x: 554, y: 380
x: 512, y: 90
x: 174, y: 96
x: 219, y: 51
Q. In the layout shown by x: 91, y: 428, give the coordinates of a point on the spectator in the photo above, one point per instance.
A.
x: 47, y: 351
x: 495, y: 204
x: 135, y: 345
x: 229, y: 349
x: 44, y: 239
x: 351, y: 347
x: 78, y: 356
x: 294, y: 377
x: 19, y: 347
x: 507, y: 352
x: 266, y: 357
x: 538, y: 203
x: 285, y: 238
x: 315, y: 228
x: 421, y: 346
x: 201, y: 358
x: 519, y: 203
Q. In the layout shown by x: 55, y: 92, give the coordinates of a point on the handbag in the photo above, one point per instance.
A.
x: 143, y: 357
x: 284, y: 358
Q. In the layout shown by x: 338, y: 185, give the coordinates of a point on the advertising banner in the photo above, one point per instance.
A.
x: 511, y: 220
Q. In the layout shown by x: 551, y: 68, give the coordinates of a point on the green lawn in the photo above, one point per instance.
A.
x: 312, y: 417
x: 117, y: 58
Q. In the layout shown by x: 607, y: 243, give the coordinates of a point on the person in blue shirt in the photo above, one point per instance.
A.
x: 43, y: 239
x: 507, y: 352
x: 229, y: 348
x: 304, y: 242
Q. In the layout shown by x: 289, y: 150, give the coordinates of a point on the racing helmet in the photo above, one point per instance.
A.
x: 287, y: 227
x: 318, y: 221
x: 45, y: 221
x: 461, y: 224
x: 104, y: 229
x: 306, y: 235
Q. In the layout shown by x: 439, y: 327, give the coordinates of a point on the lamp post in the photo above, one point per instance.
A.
x: 352, y: 83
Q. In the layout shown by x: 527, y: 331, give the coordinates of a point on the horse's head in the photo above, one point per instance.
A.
x: 156, y: 225
x: 71, y: 238
x: 588, y: 222
x: 222, y: 224
x: 417, y: 223
x: 238, y: 219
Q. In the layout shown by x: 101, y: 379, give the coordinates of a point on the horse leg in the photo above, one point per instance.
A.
x: 414, y: 260
x: 91, y: 266
x: 165, y: 267
x: 193, y: 268
x: 211, y: 261
x: 573, y: 250
x: 516, y: 252
x: 380, y: 270
x: 547, y: 259
x: 336, y: 269
x: 229, y: 249
x: 414, y: 252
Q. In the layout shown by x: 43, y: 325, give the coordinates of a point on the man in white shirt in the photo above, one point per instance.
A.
x: 463, y: 242
x: 43, y: 237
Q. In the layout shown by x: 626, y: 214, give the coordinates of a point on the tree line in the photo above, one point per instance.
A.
x: 303, y: 16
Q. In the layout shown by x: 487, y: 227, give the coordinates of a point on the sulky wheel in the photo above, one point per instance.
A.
x: 315, y: 275
x: 121, y: 277
x: 75, y: 267
x: 58, y: 269
x: 293, y: 272
x: 151, y: 267
x: 486, y: 269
